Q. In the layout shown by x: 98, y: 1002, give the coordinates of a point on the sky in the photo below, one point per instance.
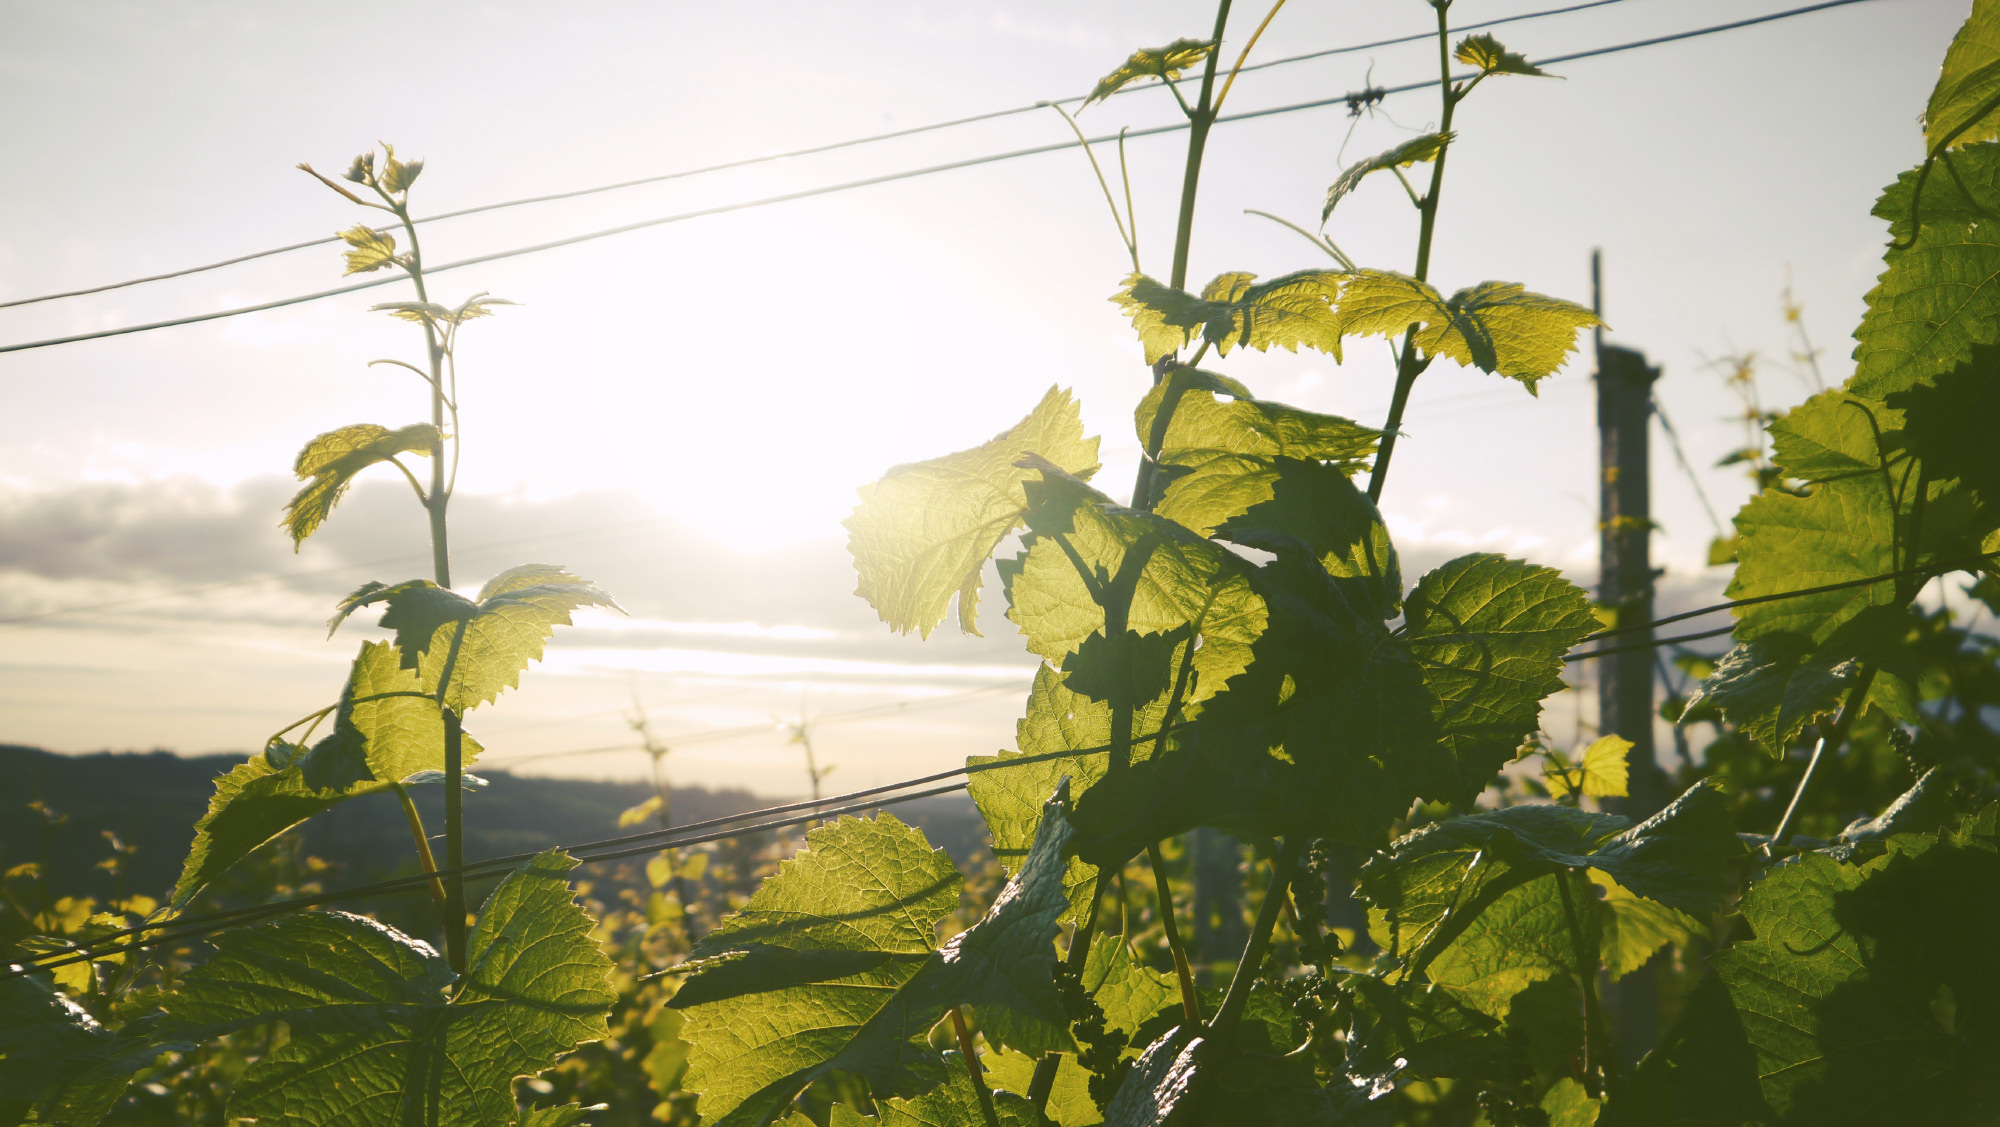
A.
x: 683, y: 413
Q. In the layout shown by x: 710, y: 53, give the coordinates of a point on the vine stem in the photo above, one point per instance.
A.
x: 1408, y: 366
x: 1190, y: 1003
x: 435, y: 506
x: 972, y: 1067
x: 1831, y: 740
x: 1596, y: 1046
x: 1044, y: 1079
x: 423, y: 841
x: 1260, y: 940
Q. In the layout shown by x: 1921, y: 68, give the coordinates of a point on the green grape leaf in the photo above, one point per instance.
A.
x: 1417, y: 150
x: 387, y: 723
x: 482, y: 644
x: 382, y: 1031
x: 1433, y: 884
x: 1961, y: 110
x: 1165, y: 63
x: 1283, y: 505
x: 1220, y: 460
x: 1939, y: 297
x: 1863, y: 991
x: 1771, y: 692
x: 371, y: 249
x: 56, y: 1062
x: 431, y: 313
x: 1329, y: 731
x: 1497, y: 327
x: 1946, y: 424
x: 923, y: 533
x: 1181, y: 418
x: 955, y: 1104
x: 1567, y: 1104
x: 1490, y: 634
x: 385, y: 733
x: 1600, y: 773
x: 332, y: 460
x: 1165, y: 318
x: 1288, y: 312
x: 1833, y: 436
x: 398, y: 175
x: 1631, y: 928
x: 1069, y: 1103
x: 834, y: 964
x: 1058, y: 720
x: 1130, y: 995
x: 1519, y: 938
x: 1843, y: 532
x: 1486, y: 53
x: 1163, y: 577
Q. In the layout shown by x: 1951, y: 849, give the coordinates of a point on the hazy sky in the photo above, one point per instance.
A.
x: 683, y: 413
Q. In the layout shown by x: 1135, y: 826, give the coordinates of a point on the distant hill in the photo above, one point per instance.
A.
x: 151, y: 800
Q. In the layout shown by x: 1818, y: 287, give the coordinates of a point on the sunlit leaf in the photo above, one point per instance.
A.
x: 1290, y: 312
x: 1496, y: 327
x: 381, y: 737
x: 1161, y: 576
x: 1152, y: 62
x: 1938, y: 298
x: 1600, y: 773
x: 1435, y: 884
x: 1486, y: 53
x: 834, y: 964
x: 1961, y: 107
x: 331, y: 460
x: 382, y: 1031
x: 1490, y: 634
x: 1858, y: 991
x: 1417, y: 150
x: 372, y: 249
x: 923, y: 532
x: 482, y: 643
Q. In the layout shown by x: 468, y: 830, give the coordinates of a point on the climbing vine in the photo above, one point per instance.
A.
x: 1233, y: 647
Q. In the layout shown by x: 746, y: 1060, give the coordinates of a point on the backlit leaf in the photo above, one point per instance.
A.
x: 381, y: 737
x: 1430, y: 888
x: 834, y: 964
x: 371, y: 249
x: 923, y: 532
x: 1416, y: 150
x: 1220, y: 459
x: 1961, y: 106
x: 332, y: 460
x: 1496, y: 327
x: 954, y: 1104
x: 1287, y: 312
x: 1058, y: 719
x: 1940, y: 297
x: 382, y: 1031
x: 484, y: 643
x: 1600, y: 773
x: 1151, y: 62
x: 1771, y: 693
x: 1329, y: 731
x: 1167, y: 579
x: 1863, y: 992
x: 1486, y: 53
x: 1490, y: 634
